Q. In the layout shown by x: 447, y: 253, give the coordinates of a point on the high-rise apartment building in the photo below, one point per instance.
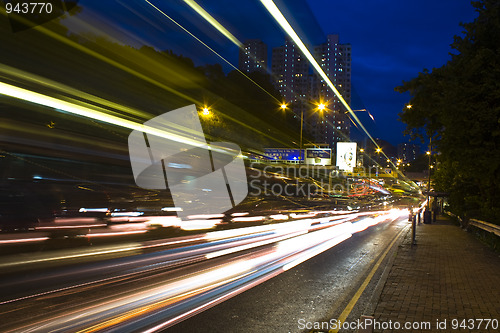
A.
x: 292, y: 76
x: 305, y: 90
x: 335, y: 60
x: 253, y: 56
x: 291, y: 71
x: 408, y: 152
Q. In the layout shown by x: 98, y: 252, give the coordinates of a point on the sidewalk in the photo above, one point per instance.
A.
x: 449, y: 275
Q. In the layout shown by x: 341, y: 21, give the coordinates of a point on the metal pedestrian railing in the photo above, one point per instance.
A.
x: 485, y: 226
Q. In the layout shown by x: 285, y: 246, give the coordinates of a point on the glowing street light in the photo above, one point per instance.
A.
x: 283, y: 106
x: 378, y: 150
x: 205, y: 111
x: 409, y: 106
x: 321, y: 106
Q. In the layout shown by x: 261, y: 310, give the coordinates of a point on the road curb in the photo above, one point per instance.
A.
x: 374, y: 299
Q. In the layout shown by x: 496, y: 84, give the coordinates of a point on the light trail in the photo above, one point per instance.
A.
x: 148, y: 78
x: 39, y: 80
x: 81, y: 226
x: 65, y: 40
x: 162, y: 304
x: 71, y: 256
x: 209, y: 18
x: 40, y: 99
x: 217, y: 26
x: 23, y: 240
x: 282, y: 21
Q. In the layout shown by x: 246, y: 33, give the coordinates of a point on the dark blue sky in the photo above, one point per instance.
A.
x: 392, y: 40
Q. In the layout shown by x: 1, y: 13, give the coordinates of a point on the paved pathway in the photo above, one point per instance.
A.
x: 449, y: 275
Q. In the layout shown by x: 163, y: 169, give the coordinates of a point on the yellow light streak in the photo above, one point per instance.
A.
x: 209, y: 18
x: 134, y: 248
x: 64, y: 39
x: 208, y: 47
x: 33, y: 97
x: 278, y: 16
x: 282, y: 21
x: 36, y: 79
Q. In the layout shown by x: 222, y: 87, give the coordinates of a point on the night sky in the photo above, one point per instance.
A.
x: 392, y: 40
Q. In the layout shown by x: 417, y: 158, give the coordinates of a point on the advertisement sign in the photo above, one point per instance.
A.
x: 318, y: 156
x: 319, y: 153
x: 283, y: 154
x: 346, y: 155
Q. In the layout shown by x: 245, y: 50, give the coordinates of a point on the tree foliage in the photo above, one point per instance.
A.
x: 458, y: 106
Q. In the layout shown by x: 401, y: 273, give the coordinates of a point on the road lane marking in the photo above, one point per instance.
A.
x: 343, y: 316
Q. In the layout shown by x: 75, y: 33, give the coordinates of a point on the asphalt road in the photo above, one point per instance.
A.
x: 317, y: 290
x: 129, y: 294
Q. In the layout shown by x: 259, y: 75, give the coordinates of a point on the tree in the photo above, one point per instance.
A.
x: 458, y: 106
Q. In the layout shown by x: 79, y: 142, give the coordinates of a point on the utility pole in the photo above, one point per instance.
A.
x: 427, y: 212
x: 429, y: 180
x: 301, y: 129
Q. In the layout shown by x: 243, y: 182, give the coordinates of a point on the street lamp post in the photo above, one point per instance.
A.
x: 321, y: 107
x: 427, y: 213
x: 378, y: 150
x: 283, y: 107
x: 301, y: 130
x: 360, y: 159
x: 429, y: 179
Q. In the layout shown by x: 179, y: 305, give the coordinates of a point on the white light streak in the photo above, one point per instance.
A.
x: 172, y: 209
x: 23, y: 240
x: 249, y: 219
x: 278, y: 16
x: 92, y: 210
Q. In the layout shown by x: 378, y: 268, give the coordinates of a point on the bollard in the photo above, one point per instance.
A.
x: 419, y: 216
x: 413, y: 230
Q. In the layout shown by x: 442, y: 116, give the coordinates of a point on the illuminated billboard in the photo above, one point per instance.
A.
x: 284, y: 154
x: 318, y: 156
x: 346, y: 155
